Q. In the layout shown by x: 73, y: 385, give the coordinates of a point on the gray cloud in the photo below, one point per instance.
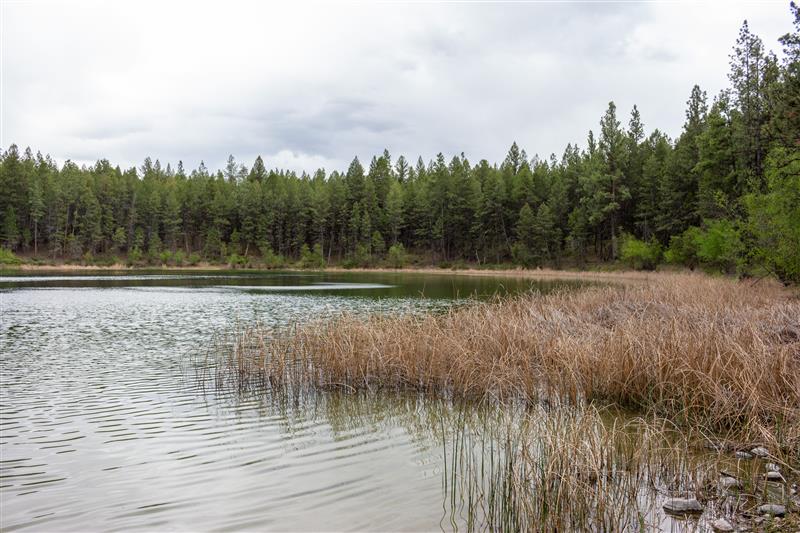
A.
x: 316, y: 83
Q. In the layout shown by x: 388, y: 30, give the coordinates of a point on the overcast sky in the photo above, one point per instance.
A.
x: 311, y: 85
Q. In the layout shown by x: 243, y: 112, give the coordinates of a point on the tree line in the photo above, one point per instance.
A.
x: 725, y: 194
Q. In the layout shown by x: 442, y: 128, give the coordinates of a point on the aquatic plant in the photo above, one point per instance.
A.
x: 710, y: 365
x: 701, y: 351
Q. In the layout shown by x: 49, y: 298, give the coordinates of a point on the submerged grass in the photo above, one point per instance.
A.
x: 707, y: 362
x: 583, y: 469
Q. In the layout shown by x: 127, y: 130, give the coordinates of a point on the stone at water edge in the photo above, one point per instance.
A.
x: 772, y: 467
x: 773, y: 476
x: 730, y: 482
x: 772, y: 509
x: 683, y: 506
x: 743, y: 455
x: 720, y: 524
x: 760, y: 451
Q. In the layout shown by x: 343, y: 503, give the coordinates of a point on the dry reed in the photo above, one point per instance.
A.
x: 701, y: 351
x: 709, y: 360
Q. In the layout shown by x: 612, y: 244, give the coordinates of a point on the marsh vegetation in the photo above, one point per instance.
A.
x: 708, y: 370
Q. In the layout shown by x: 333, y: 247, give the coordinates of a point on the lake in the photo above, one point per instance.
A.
x: 104, y: 425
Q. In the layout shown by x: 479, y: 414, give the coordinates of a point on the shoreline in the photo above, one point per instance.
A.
x: 620, y: 275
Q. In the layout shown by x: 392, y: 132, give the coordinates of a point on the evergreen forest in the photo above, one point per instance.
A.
x: 723, y: 196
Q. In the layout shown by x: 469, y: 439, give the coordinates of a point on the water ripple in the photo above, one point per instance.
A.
x: 101, y: 429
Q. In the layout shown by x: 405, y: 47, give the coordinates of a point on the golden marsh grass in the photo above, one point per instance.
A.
x: 712, y: 352
x: 711, y: 365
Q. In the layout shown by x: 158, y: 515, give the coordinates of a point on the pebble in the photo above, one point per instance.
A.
x: 772, y: 509
x: 760, y: 451
x: 683, y: 506
x: 743, y: 455
x: 773, y: 476
x: 772, y: 467
x: 730, y: 482
x: 720, y: 524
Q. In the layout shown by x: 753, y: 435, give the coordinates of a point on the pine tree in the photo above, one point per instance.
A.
x: 394, y: 211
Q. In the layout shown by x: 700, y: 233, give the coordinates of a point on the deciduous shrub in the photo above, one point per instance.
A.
x: 397, y: 257
x: 640, y: 255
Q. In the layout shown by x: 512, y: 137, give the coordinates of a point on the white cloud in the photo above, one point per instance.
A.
x: 313, y: 84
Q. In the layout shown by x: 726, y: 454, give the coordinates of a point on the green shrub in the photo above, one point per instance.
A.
x: 135, y: 256
x: 361, y: 257
x: 683, y: 248
x: 270, y: 259
x: 193, y: 259
x: 237, y: 261
x: 774, y: 217
x: 106, y: 261
x: 521, y: 254
x: 7, y: 257
x: 165, y: 257
x: 178, y: 257
x: 311, y: 259
x: 720, y: 246
x: 397, y: 256
x: 640, y: 255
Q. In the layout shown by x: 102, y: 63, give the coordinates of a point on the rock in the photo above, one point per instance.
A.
x: 772, y: 509
x: 743, y: 455
x: 730, y: 482
x: 774, y: 476
x: 683, y: 506
x: 760, y: 451
x: 720, y: 524
x: 772, y: 467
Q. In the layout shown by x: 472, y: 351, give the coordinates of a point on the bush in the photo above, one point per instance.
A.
x: 311, y: 259
x: 640, y: 255
x: 165, y: 257
x: 7, y: 257
x: 270, y: 259
x: 396, y: 256
x: 193, y: 259
x: 683, y: 248
x: 237, y: 261
x: 178, y: 257
x: 774, y: 217
x: 362, y: 257
x: 105, y: 261
x: 717, y: 247
x: 135, y: 256
x: 522, y: 255
x: 720, y: 246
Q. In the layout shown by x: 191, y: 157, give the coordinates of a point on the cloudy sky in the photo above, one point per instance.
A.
x: 309, y: 85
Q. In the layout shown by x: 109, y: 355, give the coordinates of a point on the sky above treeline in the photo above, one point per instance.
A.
x: 310, y: 85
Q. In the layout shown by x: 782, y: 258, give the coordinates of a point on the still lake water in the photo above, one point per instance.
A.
x: 103, y: 426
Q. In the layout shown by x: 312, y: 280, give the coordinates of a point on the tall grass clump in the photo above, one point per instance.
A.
x: 570, y: 469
